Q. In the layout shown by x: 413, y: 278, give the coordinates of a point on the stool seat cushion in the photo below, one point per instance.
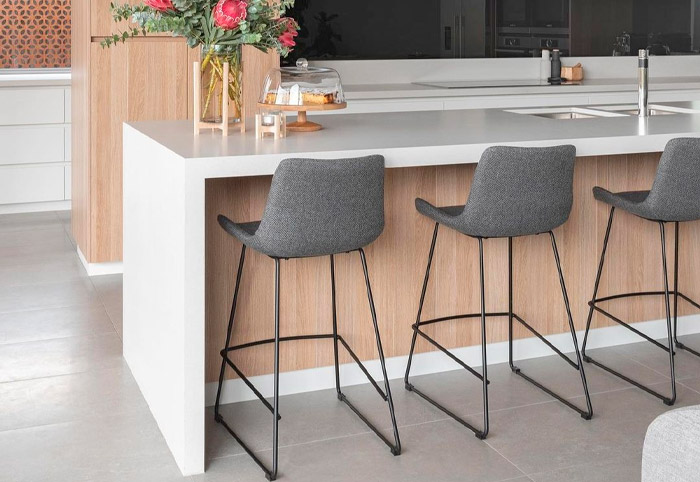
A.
x: 317, y: 207
x: 244, y: 232
x: 675, y: 194
x: 630, y: 201
x: 444, y: 215
x: 516, y: 191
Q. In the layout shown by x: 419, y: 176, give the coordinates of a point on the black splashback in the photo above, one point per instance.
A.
x: 416, y: 29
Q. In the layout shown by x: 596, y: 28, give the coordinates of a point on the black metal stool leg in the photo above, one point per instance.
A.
x: 420, y: 306
x: 484, y: 365
x: 572, y: 328
x: 481, y: 434
x: 671, y: 354
x: 229, y: 331
x: 272, y: 475
x: 510, y: 305
x: 677, y: 294
x: 335, y: 328
x: 578, y: 365
x: 675, y: 288
x: 597, y: 282
x: 666, y: 293
x: 396, y: 449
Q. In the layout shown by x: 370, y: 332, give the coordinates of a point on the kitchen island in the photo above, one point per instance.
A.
x: 179, y: 266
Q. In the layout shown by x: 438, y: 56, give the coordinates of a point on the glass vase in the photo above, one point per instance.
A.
x: 215, y: 89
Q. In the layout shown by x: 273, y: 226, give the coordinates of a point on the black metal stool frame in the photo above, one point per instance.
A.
x: 672, y: 328
x: 578, y: 365
x: 271, y: 474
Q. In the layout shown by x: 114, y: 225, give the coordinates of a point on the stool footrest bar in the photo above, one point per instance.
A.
x: 628, y: 326
x: 479, y: 433
x: 546, y: 342
x: 449, y: 354
x: 248, y: 450
x: 664, y: 398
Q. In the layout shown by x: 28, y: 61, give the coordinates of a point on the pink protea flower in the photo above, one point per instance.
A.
x: 228, y: 14
x: 287, y: 37
x: 160, y: 5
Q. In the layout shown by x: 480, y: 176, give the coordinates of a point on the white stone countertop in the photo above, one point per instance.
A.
x: 35, y: 77
x: 422, y: 138
x: 510, y: 87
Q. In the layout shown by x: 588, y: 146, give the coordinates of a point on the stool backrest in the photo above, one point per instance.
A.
x: 519, y: 191
x: 675, y: 195
x: 318, y: 207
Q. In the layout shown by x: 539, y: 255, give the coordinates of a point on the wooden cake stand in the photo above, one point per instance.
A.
x: 302, y: 124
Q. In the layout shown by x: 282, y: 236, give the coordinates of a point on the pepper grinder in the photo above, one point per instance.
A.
x: 555, y: 78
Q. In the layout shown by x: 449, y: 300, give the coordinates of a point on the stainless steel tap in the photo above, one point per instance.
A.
x: 643, y: 83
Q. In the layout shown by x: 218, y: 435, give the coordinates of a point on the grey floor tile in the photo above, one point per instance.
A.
x: 23, y: 361
x: 28, y: 221
x: 53, y: 236
x: 306, y: 418
x: 623, y: 470
x: 64, y: 268
x: 686, y: 365
x: 80, y: 396
x: 433, y: 451
x: 109, y: 289
x: 123, y: 448
x: 46, y: 324
x: 551, y: 437
x: 64, y: 216
x: 48, y: 295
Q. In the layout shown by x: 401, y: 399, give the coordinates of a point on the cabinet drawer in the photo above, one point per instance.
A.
x: 32, y: 145
x: 32, y: 106
x: 28, y: 184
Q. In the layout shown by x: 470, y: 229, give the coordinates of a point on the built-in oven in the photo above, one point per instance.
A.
x: 514, y: 42
x: 513, y: 13
x: 550, y: 13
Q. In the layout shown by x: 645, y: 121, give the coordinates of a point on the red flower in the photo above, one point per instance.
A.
x: 160, y: 5
x: 287, y: 37
x: 229, y: 13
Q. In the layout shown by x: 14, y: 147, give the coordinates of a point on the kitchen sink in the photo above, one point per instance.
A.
x: 654, y: 109
x: 566, y: 113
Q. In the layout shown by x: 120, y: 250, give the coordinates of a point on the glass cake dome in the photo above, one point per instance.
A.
x: 315, y: 88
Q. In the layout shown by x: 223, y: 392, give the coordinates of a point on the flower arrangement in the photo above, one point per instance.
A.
x: 220, y: 28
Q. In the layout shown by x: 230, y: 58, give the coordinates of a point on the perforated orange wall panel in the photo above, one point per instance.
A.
x: 34, y: 33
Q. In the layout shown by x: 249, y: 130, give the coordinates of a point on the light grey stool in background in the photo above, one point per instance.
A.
x: 515, y: 192
x: 673, y: 198
x: 315, y: 208
x: 671, y: 448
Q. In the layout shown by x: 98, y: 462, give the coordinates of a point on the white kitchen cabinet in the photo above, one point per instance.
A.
x: 35, y: 138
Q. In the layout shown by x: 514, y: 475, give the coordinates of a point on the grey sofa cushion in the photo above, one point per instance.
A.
x: 672, y: 447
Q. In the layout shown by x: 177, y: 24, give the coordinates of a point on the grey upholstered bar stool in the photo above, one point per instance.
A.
x: 315, y: 208
x: 674, y: 197
x: 515, y: 192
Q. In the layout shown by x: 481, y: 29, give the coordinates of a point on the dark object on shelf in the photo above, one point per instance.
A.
x: 555, y: 78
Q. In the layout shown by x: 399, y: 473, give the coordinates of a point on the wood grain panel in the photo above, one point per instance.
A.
x: 139, y: 80
x: 397, y: 263
x: 80, y: 122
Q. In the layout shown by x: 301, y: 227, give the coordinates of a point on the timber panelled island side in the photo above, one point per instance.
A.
x: 179, y: 265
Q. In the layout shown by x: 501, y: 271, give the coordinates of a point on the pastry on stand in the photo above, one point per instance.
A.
x: 301, y: 89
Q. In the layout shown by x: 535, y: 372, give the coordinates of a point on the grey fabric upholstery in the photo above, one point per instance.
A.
x: 318, y: 207
x: 672, y: 447
x: 675, y: 194
x: 516, y: 191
